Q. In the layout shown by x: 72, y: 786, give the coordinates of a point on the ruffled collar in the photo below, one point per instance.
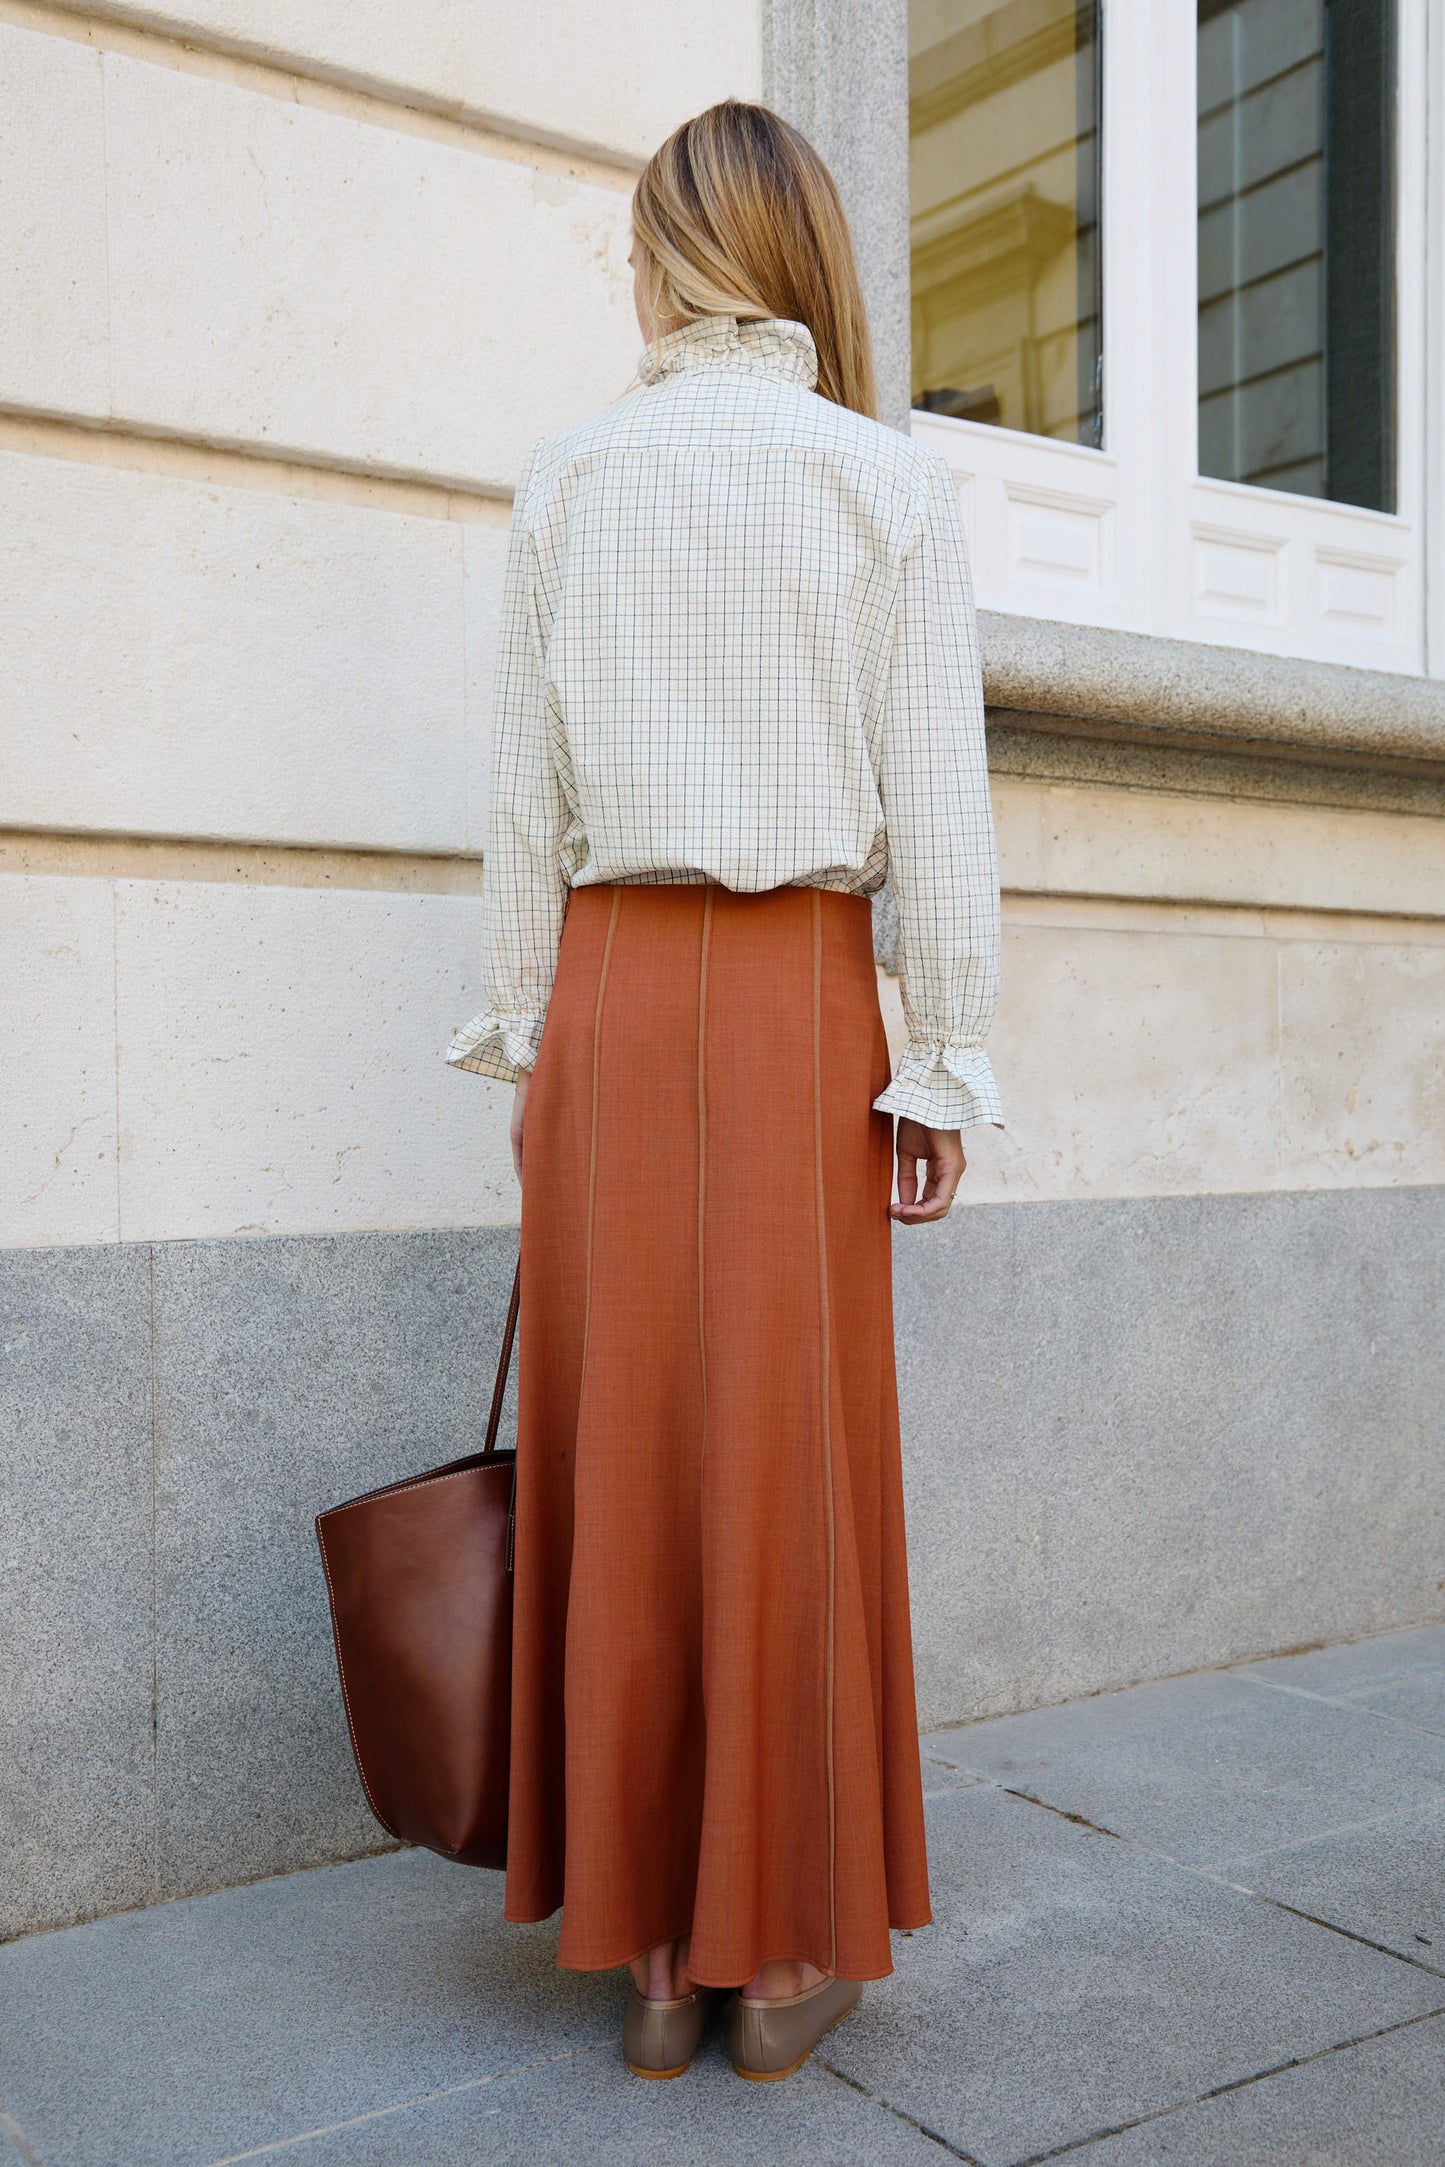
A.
x: 771, y: 346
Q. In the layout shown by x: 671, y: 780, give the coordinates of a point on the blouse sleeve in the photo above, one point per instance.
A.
x: 933, y: 781
x: 524, y: 890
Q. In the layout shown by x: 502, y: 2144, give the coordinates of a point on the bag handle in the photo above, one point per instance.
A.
x: 504, y: 1362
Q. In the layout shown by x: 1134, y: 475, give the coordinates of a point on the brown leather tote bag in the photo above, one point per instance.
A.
x: 420, y: 1580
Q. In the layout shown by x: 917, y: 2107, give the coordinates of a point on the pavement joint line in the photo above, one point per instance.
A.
x: 1219, y: 2091
x: 1212, y: 1869
x: 1345, y: 1700
x: 976, y: 1781
x: 1222, y: 1880
x: 1342, y: 1828
x: 1347, y: 1933
x: 23, y: 2149
x: 1253, y: 1674
x: 1081, y: 1820
x: 400, y: 2106
x: 900, y: 2114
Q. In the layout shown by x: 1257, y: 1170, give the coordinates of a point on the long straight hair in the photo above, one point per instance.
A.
x: 737, y: 215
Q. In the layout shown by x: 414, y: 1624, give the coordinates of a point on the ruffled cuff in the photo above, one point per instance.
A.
x: 494, y: 1044
x: 944, y: 1087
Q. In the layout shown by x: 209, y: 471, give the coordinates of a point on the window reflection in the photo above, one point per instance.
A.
x: 1296, y: 258
x: 1004, y: 127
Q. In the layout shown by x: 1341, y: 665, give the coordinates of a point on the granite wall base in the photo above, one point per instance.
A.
x: 1149, y: 1435
x: 1141, y: 1437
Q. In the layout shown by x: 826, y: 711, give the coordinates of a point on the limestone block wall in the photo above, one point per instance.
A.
x: 241, y: 655
x: 1200, y: 996
x: 615, y: 78
x: 288, y: 295
x: 1210, y: 993
x: 241, y: 265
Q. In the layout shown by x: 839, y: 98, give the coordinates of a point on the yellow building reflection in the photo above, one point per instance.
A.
x: 1004, y: 106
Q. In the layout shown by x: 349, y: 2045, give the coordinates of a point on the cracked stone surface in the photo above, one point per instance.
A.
x: 1197, y: 1922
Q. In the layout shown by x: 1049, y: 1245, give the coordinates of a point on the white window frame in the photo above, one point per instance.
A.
x: 1131, y: 535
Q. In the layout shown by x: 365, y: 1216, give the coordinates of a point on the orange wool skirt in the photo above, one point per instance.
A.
x: 713, y: 1728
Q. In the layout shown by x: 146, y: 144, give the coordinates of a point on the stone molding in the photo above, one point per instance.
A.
x: 1047, y: 748
x: 1096, y: 682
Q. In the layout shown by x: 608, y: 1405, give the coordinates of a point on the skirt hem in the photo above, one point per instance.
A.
x: 777, y: 1956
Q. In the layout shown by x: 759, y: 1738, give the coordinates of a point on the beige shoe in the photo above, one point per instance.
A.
x: 770, y: 2039
x: 660, y: 2038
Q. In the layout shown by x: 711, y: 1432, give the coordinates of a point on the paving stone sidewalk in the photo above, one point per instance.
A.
x: 1201, y: 1922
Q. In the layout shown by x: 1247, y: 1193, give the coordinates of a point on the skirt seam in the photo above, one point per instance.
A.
x: 702, y: 1174
x: 825, y: 1367
x: 592, y: 1140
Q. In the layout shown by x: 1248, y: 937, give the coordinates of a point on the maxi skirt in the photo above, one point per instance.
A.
x: 713, y: 1726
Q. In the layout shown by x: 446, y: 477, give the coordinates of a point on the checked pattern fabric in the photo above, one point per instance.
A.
x: 738, y: 645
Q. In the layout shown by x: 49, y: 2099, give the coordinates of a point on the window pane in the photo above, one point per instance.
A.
x: 1004, y: 124
x: 1296, y: 247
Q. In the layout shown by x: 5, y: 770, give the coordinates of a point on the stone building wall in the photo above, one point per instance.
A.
x: 288, y: 295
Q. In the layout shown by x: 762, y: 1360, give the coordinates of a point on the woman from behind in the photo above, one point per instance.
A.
x: 739, y: 685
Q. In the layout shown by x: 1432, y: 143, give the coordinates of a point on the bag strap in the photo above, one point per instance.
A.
x: 504, y: 1362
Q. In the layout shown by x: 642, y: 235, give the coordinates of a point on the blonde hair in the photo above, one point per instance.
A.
x: 737, y: 215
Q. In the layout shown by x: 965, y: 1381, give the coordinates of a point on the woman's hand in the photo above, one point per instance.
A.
x: 519, y: 1110
x: 943, y: 1151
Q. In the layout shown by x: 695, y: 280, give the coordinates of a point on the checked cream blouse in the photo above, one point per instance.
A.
x: 738, y: 645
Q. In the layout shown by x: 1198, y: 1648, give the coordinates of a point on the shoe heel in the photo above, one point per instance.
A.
x: 771, y: 2040
x: 659, y: 2039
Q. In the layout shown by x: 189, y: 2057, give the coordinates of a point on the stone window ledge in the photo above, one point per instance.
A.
x: 1094, y: 682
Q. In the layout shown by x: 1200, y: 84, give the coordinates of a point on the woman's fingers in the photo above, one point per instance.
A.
x: 944, y: 1179
x: 942, y: 1153
x: 907, y: 1180
x: 936, y: 1198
